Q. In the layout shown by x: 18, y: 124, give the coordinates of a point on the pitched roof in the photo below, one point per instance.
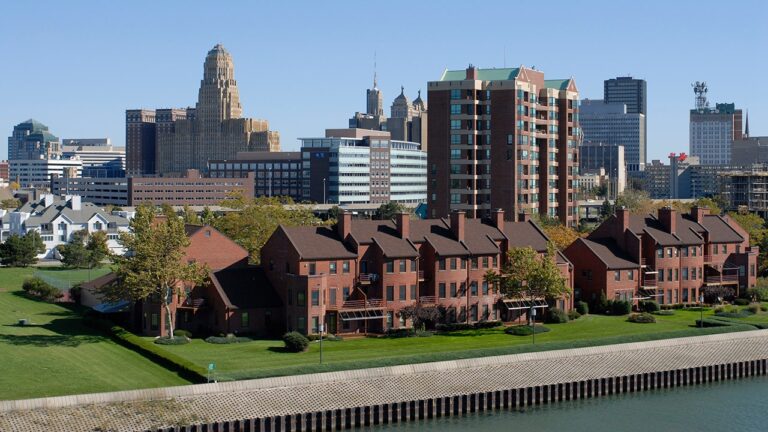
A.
x: 245, y: 288
x: 437, y: 232
x: 385, y: 235
x: 39, y: 214
x: 500, y: 74
x: 557, y: 84
x: 720, y: 231
x: 317, y: 243
x: 609, y: 253
x: 522, y: 234
x: 688, y: 232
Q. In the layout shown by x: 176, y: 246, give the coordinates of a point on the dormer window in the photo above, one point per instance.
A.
x: 97, y: 226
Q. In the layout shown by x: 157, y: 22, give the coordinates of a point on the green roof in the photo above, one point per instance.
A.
x: 31, y: 125
x: 557, y: 84
x: 504, y: 74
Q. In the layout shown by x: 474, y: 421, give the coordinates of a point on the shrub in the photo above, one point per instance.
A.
x: 295, y: 342
x: 582, y: 308
x: 175, y: 340
x: 621, y: 307
x: 759, y: 292
x: 228, y: 339
x: 525, y: 330
x: 755, y: 308
x: 664, y: 312
x: 648, y: 306
x: 764, y: 308
x: 451, y: 327
x: 642, y: 318
x: 423, y: 333
x: 41, y: 290
x: 487, y: 324
x: 185, y: 333
x: 741, y: 302
x: 399, y: 332
x: 573, y: 314
x: 556, y: 316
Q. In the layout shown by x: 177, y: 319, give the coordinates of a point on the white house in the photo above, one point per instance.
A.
x: 58, y: 218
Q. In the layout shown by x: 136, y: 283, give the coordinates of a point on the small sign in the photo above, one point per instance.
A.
x: 211, y: 366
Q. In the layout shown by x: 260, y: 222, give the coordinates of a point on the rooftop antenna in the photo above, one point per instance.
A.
x: 700, y: 90
x: 374, y: 69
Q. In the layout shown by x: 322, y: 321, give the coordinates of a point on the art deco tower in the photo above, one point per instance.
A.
x: 218, y: 99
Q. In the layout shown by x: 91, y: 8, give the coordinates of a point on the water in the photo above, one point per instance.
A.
x: 740, y: 405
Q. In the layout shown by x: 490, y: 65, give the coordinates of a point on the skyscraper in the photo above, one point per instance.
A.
x: 407, y: 121
x: 188, y: 138
x: 633, y: 93
x: 712, y: 131
x: 32, y: 140
x: 612, y: 124
x: 503, y: 138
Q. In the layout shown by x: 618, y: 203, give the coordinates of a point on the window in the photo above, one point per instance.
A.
x: 312, y: 269
x: 474, y: 263
x: 455, y: 124
x: 669, y: 252
x: 630, y: 275
x: 473, y: 312
x: 742, y: 271
x: 402, y: 293
x: 441, y: 263
x: 473, y: 288
x: 669, y: 275
x: 495, y: 261
x: 453, y: 263
x: 154, y: 322
x: 693, y: 273
x: 301, y: 324
x: 413, y: 292
x: 390, y: 293
x: 463, y: 263
x: 332, y: 267
x: 694, y: 250
x: 390, y: 266
x: 455, y: 109
x: 315, y: 324
x: 617, y: 275
x: 345, y: 266
x: 677, y: 274
x: 301, y: 298
x: 485, y: 312
x: 485, y: 262
x: 455, y: 94
x: 485, y: 288
x: 403, y: 266
x: 413, y: 265
x: 344, y: 293
x: 332, y: 295
x: 453, y: 289
x: 315, y: 298
x: 684, y: 251
x: 725, y: 249
x: 441, y: 290
x: 685, y: 273
x: 244, y: 320
x: 751, y: 269
x: 660, y: 253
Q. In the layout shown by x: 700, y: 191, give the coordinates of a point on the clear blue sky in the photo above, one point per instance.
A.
x: 76, y: 66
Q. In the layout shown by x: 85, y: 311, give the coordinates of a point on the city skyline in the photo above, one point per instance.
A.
x: 294, y: 73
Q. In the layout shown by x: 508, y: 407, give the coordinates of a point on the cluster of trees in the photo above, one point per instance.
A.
x: 85, y: 250
x: 21, y: 251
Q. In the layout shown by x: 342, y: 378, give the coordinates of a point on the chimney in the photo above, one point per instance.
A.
x: 75, y: 202
x: 471, y: 72
x: 403, y: 221
x: 344, y: 224
x: 47, y: 200
x: 498, y: 219
x: 457, y: 224
x: 622, y: 224
x: 523, y: 217
x: 698, y: 213
x: 668, y: 218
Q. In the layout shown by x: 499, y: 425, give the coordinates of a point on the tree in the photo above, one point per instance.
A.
x: 154, y: 265
x: 333, y: 213
x: 207, y: 217
x: 529, y: 274
x: 561, y: 235
x: 606, y: 209
x: 713, y: 206
x: 74, y: 254
x: 636, y: 201
x: 97, y: 248
x: 21, y: 251
x: 422, y: 316
x: 10, y: 204
x: 190, y: 217
x: 388, y: 210
x: 258, y: 218
x: 754, y: 225
x: 14, y: 185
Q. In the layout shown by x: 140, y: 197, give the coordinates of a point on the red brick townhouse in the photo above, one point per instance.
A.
x: 235, y: 297
x: 357, y: 276
x: 670, y: 257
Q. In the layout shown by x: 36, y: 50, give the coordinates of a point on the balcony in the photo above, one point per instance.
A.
x: 649, y: 280
x: 428, y: 300
x: 367, y: 278
x: 362, y: 310
x: 363, y: 304
x: 421, y: 275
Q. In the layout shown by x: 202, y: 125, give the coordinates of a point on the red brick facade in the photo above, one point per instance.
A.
x: 670, y: 258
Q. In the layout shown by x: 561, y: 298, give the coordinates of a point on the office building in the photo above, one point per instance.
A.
x: 613, y: 124
x: 191, y: 189
x: 503, y: 138
x: 609, y: 157
x: 629, y: 91
x: 275, y: 173
x: 713, y: 130
x: 98, y: 160
x: 32, y: 140
x: 184, y: 139
x: 87, y: 142
x: 101, y: 191
x: 37, y: 173
x: 749, y: 150
x: 358, y: 166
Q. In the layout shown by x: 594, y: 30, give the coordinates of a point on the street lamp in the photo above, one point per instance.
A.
x: 533, y: 323
x: 324, y: 191
x: 322, y: 326
x: 701, y: 309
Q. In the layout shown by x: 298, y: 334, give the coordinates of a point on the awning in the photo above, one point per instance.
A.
x: 107, y: 308
x: 519, y: 304
x: 360, y: 315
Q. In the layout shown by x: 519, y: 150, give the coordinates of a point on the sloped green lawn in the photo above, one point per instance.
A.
x: 57, y: 354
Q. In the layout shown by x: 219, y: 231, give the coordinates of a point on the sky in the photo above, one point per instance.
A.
x: 304, y: 65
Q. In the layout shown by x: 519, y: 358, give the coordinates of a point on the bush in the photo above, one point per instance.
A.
x: 295, y: 342
x: 41, y: 290
x: 556, y: 316
x: 741, y: 302
x: 755, y: 308
x: 620, y: 307
x: 451, y: 327
x: 648, y: 306
x: 487, y: 324
x: 399, y: 332
x: 573, y: 314
x: 525, y: 330
x: 582, y: 308
x: 175, y: 340
x: 423, y: 333
x: 664, y: 312
x: 642, y: 318
x: 228, y: 339
x: 759, y: 292
x: 764, y: 308
x: 185, y: 333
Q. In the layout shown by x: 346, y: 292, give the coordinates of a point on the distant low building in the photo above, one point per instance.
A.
x: 101, y: 191
x: 276, y: 173
x: 190, y: 189
x: 37, y: 173
x: 98, y: 160
x: 748, y: 151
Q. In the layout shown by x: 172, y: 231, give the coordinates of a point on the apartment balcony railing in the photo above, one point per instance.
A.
x: 724, y: 279
x: 649, y: 281
x: 193, y: 303
x: 367, y: 278
x: 421, y: 275
x: 363, y: 304
x: 428, y: 300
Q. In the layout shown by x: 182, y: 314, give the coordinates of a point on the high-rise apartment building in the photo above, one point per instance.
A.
x: 188, y: 138
x: 503, y: 139
x: 32, y: 140
x: 613, y: 124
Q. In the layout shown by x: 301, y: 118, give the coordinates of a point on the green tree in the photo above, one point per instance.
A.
x: 74, y: 254
x: 10, y: 204
x: 636, y: 201
x: 257, y: 218
x: 190, y: 217
x: 154, y: 265
x: 711, y: 204
x: 754, y: 225
x: 207, y: 217
x: 529, y: 274
x: 21, y: 251
x: 97, y: 248
x: 606, y: 209
x: 333, y: 213
x: 388, y: 210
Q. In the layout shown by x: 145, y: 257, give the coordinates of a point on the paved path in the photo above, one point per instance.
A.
x: 153, y: 408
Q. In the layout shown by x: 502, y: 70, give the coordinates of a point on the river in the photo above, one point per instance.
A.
x: 740, y: 405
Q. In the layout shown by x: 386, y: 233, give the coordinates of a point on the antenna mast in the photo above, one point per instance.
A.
x: 700, y: 90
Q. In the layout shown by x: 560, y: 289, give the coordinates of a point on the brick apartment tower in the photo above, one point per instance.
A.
x: 503, y: 138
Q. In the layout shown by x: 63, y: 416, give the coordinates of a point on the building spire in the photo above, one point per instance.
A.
x: 746, y: 127
x: 374, y: 70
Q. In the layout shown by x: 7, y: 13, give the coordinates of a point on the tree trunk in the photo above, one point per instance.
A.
x: 169, y: 315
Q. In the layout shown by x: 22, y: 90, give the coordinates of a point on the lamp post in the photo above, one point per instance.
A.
x: 533, y: 324
x: 322, y: 326
x: 324, y: 191
x: 701, y: 309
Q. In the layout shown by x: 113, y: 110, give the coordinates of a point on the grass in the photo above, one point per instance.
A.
x: 57, y: 354
x: 267, y: 358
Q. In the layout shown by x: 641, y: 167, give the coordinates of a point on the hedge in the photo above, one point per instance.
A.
x: 227, y: 339
x: 451, y: 327
x: 185, y: 368
x: 642, y: 318
x: 525, y: 330
x: 582, y: 308
x: 176, y: 340
x: 556, y: 316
